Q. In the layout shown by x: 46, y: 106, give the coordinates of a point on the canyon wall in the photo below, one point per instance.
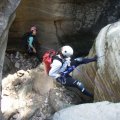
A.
x: 7, y: 8
x: 76, y: 23
x: 102, y: 77
x: 60, y: 22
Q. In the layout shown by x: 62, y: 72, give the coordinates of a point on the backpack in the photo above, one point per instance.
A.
x: 48, y: 59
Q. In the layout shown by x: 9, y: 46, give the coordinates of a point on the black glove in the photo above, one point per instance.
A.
x: 61, y: 80
x: 95, y: 57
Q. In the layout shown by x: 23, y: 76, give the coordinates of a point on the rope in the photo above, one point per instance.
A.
x: 77, y: 70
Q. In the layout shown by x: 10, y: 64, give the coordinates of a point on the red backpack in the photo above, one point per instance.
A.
x: 47, y: 60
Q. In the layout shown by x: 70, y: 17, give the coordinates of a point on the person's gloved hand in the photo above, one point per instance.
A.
x: 58, y: 78
x: 95, y: 57
x: 61, y: 80
x: 79, y: 59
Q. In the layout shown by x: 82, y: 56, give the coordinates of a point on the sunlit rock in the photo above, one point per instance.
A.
x: 19, y: 95
x: 99, y: 111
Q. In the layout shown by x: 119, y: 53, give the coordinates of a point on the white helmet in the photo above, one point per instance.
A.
x: 67, y: 51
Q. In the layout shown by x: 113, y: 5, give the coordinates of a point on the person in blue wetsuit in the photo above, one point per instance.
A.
x: 60, y: 69
x: 31, y: 40
x: 31, y: 44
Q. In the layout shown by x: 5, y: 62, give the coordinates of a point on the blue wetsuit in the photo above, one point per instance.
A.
x: 31, y: 40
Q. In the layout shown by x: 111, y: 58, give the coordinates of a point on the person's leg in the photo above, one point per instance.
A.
x: 30, y: 51
x: 69, y: 81
x: 38, y: 51
x: 81, y: 87
x: 38, y: 59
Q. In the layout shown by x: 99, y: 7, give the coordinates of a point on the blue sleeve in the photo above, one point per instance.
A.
x: 83, y: 61
x: 30, y: 41
x: 87, y: 60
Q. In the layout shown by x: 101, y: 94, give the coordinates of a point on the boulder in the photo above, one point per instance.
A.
x: 99, y: 111
x: 102, y: 77
x: 7, y: 15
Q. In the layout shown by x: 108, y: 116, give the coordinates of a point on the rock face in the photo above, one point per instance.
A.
x: 62, y: 22
x: 73, y: 22
x: 23, y: 96
x: 8, y: 67
x: 107, y: 85
x: 7, y: 8
x: 103, y: 78
x: 99, y: 111
x: 29, y: 94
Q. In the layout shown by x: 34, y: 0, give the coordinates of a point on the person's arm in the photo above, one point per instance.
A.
x: 87, y: 60
x: 55, y: 67
x: 30, y: 43
x: 81, y: 60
